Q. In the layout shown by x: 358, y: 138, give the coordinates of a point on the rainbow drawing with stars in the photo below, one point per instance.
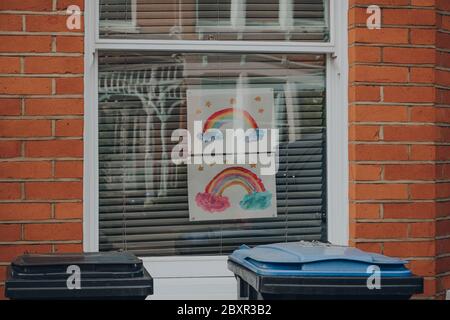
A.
x: 256, y: 196
x: 220, y: 118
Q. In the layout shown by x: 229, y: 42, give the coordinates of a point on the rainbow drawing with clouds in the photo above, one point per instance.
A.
x: 228, y: 115
x: 213, y: 200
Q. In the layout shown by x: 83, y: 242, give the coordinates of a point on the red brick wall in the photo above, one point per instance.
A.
x: 41, y: 129
x: 399, y: 135
x: 443, y: 169
x: 399, y: 132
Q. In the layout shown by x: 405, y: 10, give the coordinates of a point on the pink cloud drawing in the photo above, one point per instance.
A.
x: 211, y: 202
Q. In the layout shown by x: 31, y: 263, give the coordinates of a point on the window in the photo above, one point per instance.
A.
x: 135, y: 197
x: 262, y: 20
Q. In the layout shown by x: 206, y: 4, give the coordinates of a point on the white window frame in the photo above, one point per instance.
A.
x: 337, y: 125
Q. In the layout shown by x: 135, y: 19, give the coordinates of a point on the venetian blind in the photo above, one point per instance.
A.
x: 143, y: 200
x: 265, y: 20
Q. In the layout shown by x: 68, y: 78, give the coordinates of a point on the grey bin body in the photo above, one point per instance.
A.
x: 313, y: 270
x: 84, y: 276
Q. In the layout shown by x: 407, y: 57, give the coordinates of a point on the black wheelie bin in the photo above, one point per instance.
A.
x: 313, y: 270
x: 83, y: 276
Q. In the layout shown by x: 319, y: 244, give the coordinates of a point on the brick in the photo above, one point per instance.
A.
x: 423, y: 152
x: 443, y: 115
x: 69, y: 44
x: 364, y: 54
x: 69, y: 86
x: 411, y: 133
x: 423, y: 3
x: 424, y: 191
x: 410, y: 172
x: 64, y: 4
x: 422, y: 75
x: 422, y: 36
x: 372, y: 113
x: 379, y: 36
x: 364, y: 93
x: 69, y: 128
x: 381, y: 230
x: 364, y: 133
x: 443, y: 246
x: 443, y: 78
x: 416, y: 17
x: 443, y: 171
x: 60, y: 65
x: 442, y: 227
x: 27, y: 5
x: 10, y: 232
x: 422, y: 230
x: 69, y: 169
x: 54, y: 107
x: 370, y: 247
x: 11, y: 251
x: 443, y: 190
x: 362, y: 191
x: 69, y: 248
x: 49, y: 23
x: 27, y: 44
x: 53, y: 190
x: 53, y: 231
x: 422, y: 267
x: 409, y: 55
x: 9, y: 64
x: 423, y: 114
x: 54, y: 148
x: 365, y: 210
x: 10, y: 149
x: 409, y: 94
x: 25, y: 170
x: 365, y: 172
x: 377, y: 152
x: 9, y: 191
x: 378, y: 74
x: 69, y: 210
x: 25, y: 128
x: 442, y: 264
x: 10, y: 107
x: 24, y: 211
x: 410, y: 210
x: 26, y: 86
x: 10, y: 22
x: 409, y: 248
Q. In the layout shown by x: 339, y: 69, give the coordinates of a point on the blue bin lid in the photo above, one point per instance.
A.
x: 316, y: 259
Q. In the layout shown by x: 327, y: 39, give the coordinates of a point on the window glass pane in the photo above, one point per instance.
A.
x: 143, y: 200
x: 264, y: 20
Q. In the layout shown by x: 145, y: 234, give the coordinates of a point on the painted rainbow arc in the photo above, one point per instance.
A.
x: 235, y: 176
x: 256, y: 197
x: 220, y: 118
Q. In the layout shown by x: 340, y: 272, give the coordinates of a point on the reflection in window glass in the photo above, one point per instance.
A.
x: 264, y: 20
x: 143, y: 199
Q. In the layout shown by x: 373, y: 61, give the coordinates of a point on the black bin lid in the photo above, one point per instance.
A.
x: 91, y: 264
x: 102, y: 275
